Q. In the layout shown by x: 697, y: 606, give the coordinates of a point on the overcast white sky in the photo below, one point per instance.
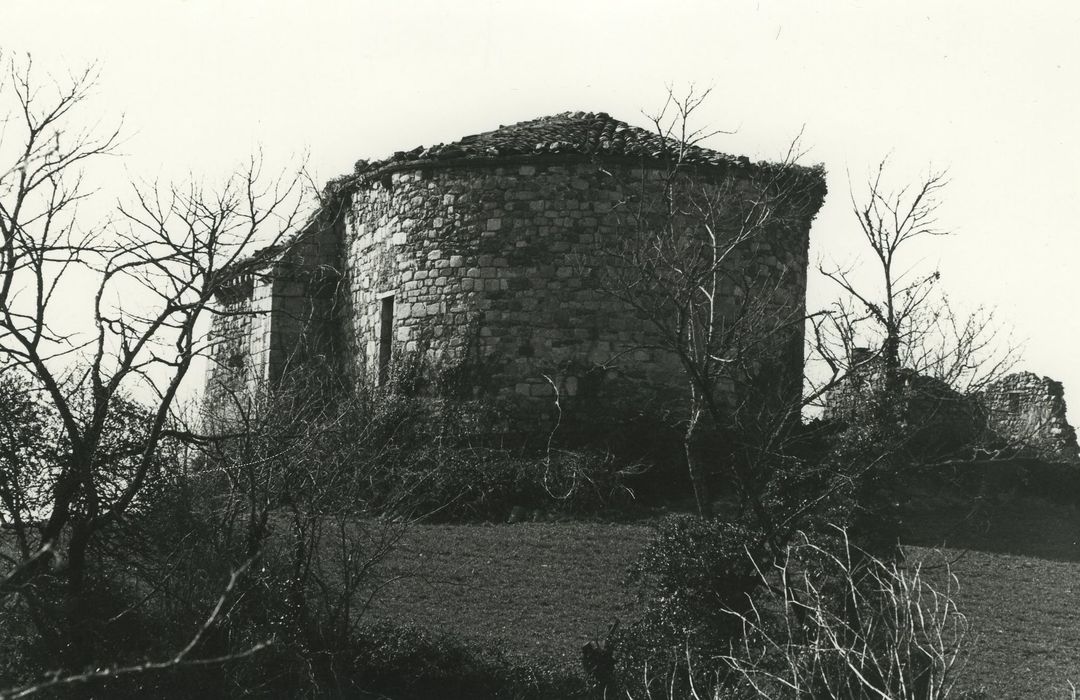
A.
x: 988, y: 90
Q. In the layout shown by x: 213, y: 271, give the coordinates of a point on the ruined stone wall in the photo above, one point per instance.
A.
x: 306, y: 305
x: 277, y: 317
x: 495, y: 264
x: 240, y: 341
x: 1020, y: 415
x: 1028, y: 412
x: 938, y: 422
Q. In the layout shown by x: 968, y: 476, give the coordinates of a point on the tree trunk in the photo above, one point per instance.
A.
x: 696, y: 461
x: 78, y: 606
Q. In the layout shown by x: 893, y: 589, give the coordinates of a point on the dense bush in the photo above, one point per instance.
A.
x: 688, y: 580
x: 826, y: 621
x: 412, y: 664
x: 448, y: 461
x: 853, y: 483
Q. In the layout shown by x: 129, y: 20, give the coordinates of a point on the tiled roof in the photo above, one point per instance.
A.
x: 583, y: 133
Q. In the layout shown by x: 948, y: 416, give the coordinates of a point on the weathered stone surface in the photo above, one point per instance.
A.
x: 532, y: 284
x: 287, y: 317
x: 487, y: 253
x: 1029, y: 411
x: 1019, y: 415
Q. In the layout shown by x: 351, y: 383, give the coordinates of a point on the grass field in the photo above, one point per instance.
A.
x: 543, y: 590
x: 1019, y: 573
x: 535, y: 590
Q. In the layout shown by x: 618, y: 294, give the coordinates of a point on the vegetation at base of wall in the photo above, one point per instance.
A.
x: 447, y: 461
x: 454, y: 450
x: 466, y: 484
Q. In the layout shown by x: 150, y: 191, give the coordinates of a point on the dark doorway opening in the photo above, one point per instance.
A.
x: 386, y: 336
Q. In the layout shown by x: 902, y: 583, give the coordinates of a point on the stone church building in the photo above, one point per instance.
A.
x: 488, y: 261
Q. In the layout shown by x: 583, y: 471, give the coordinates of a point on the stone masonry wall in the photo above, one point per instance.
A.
x: 307, y: 297
x: 1029, y: 411
x: 278, y: 317
x: 240, y: 337
x: 493, y: 263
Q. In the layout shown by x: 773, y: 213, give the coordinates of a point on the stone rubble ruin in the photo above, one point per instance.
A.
x: 1028, y: 411
x: 1020, y: 415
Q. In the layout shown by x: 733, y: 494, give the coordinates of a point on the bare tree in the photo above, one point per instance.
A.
x: 691, y: 266
x: 146, y: 278
x: 904, y: 366
x: 61, y: 678
x: 903, y: 312
x: 292, y: 479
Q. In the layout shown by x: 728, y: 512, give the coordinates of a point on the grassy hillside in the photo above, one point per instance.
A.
x: 1018, y: 563
x: 542, y: 590
x: 536, y: 590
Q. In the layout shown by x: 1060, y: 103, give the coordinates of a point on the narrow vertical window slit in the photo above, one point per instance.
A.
x: 386, y: 335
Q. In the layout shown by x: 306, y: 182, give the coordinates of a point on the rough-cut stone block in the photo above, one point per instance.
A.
x: 521, y: 269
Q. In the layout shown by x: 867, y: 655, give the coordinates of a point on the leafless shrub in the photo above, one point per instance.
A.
x: 146, y: 277
x: 843, y: 624
x: 829, y: 621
